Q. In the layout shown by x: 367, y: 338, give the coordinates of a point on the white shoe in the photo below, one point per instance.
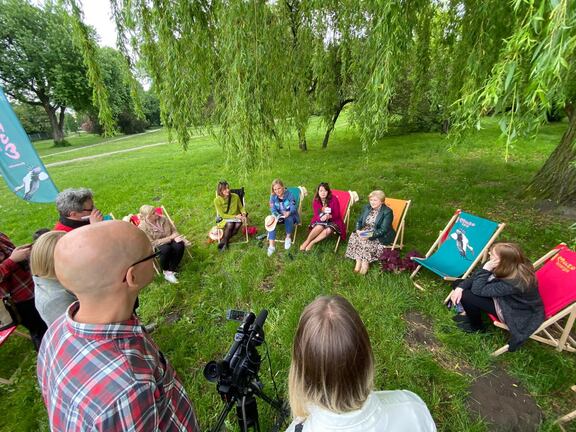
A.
x: 271, y: 250
x: 170, y: 277
x: 288, y: 243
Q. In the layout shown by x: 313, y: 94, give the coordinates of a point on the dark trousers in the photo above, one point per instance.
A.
x: 170, y: 255
x: 474, y: 306
x: 230, y: 230
x: 30, y: 318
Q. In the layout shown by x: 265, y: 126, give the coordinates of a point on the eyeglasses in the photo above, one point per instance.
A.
x: 88, y: 210
x: 149, y: 257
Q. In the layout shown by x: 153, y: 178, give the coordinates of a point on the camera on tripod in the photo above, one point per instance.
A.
x: 236, y: 376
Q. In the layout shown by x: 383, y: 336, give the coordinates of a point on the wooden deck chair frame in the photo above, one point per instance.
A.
x: 568, y: 417
x: 165, y: 212
x: 399, y: 239
x: 303, y: 193
x: 346, y: 218
x: 481, y: 257
x: 542, y: 334
x: 244, y: 224
x: 155, y: 262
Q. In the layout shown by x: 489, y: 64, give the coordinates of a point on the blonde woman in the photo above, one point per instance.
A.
x: 51, y: 298
x: 331, y: 377
x: 284, y: 210
x: 373, y: 232
x: 165, y: 239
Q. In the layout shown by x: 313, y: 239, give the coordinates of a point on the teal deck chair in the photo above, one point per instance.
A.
x: 299, y: 193
x: 461, y: 245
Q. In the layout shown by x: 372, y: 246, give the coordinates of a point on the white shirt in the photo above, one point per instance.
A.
x: 389, y: 411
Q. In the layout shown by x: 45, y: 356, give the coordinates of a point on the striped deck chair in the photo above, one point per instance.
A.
x: 242, y: 195
x: 4, y: 335
x: 299, y: 194
x: 461, y: 245
x: 346, y: 199
x: 556, y: 273
x: 399, y: 209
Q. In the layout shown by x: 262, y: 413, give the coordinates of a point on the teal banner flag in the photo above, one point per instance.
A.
x: 20, y: 165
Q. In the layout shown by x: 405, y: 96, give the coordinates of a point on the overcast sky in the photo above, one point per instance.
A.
x: 97, y: 14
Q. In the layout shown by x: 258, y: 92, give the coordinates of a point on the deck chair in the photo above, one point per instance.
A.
x: 556, y: 273
x: 240, y: 192
x: 399, y: 209
x: 568, y: 417
x: 299, y: 193
x: 4, y: 335
x: 461, y: 245
x: 346, y: 199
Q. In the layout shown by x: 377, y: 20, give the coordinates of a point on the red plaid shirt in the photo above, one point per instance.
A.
x: 110, y: 378
x: 15, y: 278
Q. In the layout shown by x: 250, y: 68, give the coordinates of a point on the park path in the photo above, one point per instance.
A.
x: 96, y: 156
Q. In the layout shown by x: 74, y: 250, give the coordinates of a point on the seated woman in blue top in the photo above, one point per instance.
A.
x: 283, y: 208
x: 373, y: 232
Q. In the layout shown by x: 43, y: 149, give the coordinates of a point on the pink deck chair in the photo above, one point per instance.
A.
x: 556, y: 273
x: 4, y: 335
x: 346, y: 199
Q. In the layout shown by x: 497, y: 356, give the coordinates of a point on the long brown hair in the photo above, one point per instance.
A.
x: 222, y: 184
x: 328, y: 197
x: 332, y: 362
x: 513, y: 264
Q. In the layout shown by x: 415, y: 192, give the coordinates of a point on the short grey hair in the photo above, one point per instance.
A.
x: 70, y: 200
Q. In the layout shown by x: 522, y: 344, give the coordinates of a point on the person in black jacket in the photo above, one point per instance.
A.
x: 505, y: 287
x: 373, y: 232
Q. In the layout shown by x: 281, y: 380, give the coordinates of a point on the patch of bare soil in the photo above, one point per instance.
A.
x: 172, y: 317
x: 496, y: 397
x: 267, y: 284
x: 503, y: 403
x: 549, y: 206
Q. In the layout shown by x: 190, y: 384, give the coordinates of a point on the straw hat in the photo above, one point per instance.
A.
x: 270, y: 223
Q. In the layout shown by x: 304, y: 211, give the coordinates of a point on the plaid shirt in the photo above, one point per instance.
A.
x: 109, y: 377
x: 15, y: 278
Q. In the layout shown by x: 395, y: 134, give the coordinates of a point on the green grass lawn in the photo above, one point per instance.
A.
x: 192, y: 329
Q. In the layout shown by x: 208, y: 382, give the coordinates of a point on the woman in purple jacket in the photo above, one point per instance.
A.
x: 327, y: 219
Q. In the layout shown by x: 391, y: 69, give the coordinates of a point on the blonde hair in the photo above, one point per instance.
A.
x: 332, y: 362
x: 42, y: 254
x: 378, y: 194
x: 513, y: 264
x: 146, y: 210
x: 274, y: 183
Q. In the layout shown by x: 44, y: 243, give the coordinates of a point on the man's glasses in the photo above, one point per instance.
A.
x: 88, y: 210
x: 149, y: 257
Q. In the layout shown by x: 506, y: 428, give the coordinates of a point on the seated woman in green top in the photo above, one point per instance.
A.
x: 229, y: 211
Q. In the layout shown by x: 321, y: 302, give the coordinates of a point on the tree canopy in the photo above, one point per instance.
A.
x: 253, y: 72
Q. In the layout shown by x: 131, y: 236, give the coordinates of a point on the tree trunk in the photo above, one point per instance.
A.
x: 302, y: 140
x: 57, y: 126
x: 556, y: 180
x: 333, y: 122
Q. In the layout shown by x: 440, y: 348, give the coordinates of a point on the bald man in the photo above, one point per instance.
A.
x: 99, y: 371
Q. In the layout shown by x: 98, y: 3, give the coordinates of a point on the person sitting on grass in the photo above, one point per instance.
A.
x: 327, y: 219
x: 97, y: 368
x: 165, y: 239
x: 505, y: 287
x: 284, y: 210
x: 331, y: 378
x: 230, y: 212
x: 76, y: 209
x: 373, y: 232
x: 51, y: 298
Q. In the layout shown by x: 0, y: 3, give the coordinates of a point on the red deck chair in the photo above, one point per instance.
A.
x: 4, y: 335
x: 556, y: 273
x: 346, y: 199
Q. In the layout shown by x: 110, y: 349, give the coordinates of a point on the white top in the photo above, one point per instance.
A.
x: 389, y: 411
x: 51, y: 299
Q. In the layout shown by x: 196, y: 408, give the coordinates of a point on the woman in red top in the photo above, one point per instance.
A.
x: 327, y: 219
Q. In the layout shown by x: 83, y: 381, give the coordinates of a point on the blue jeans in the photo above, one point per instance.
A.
x: 288, y: 222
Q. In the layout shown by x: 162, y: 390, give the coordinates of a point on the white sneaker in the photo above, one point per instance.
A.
x: 288, y: 243
x: 170, y: 277
x: 271, y: 250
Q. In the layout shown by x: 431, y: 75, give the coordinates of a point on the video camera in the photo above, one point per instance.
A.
x: 236, y: 376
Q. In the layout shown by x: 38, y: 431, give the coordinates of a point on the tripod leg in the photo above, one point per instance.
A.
x: 225, y: 411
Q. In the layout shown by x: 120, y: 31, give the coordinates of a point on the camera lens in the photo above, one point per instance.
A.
x: 212, y: 371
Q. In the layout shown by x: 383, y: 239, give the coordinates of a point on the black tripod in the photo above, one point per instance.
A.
x: 247, y: 409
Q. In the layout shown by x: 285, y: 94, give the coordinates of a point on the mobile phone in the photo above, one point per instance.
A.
x: 235, y: 315
x: 449, y: 304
